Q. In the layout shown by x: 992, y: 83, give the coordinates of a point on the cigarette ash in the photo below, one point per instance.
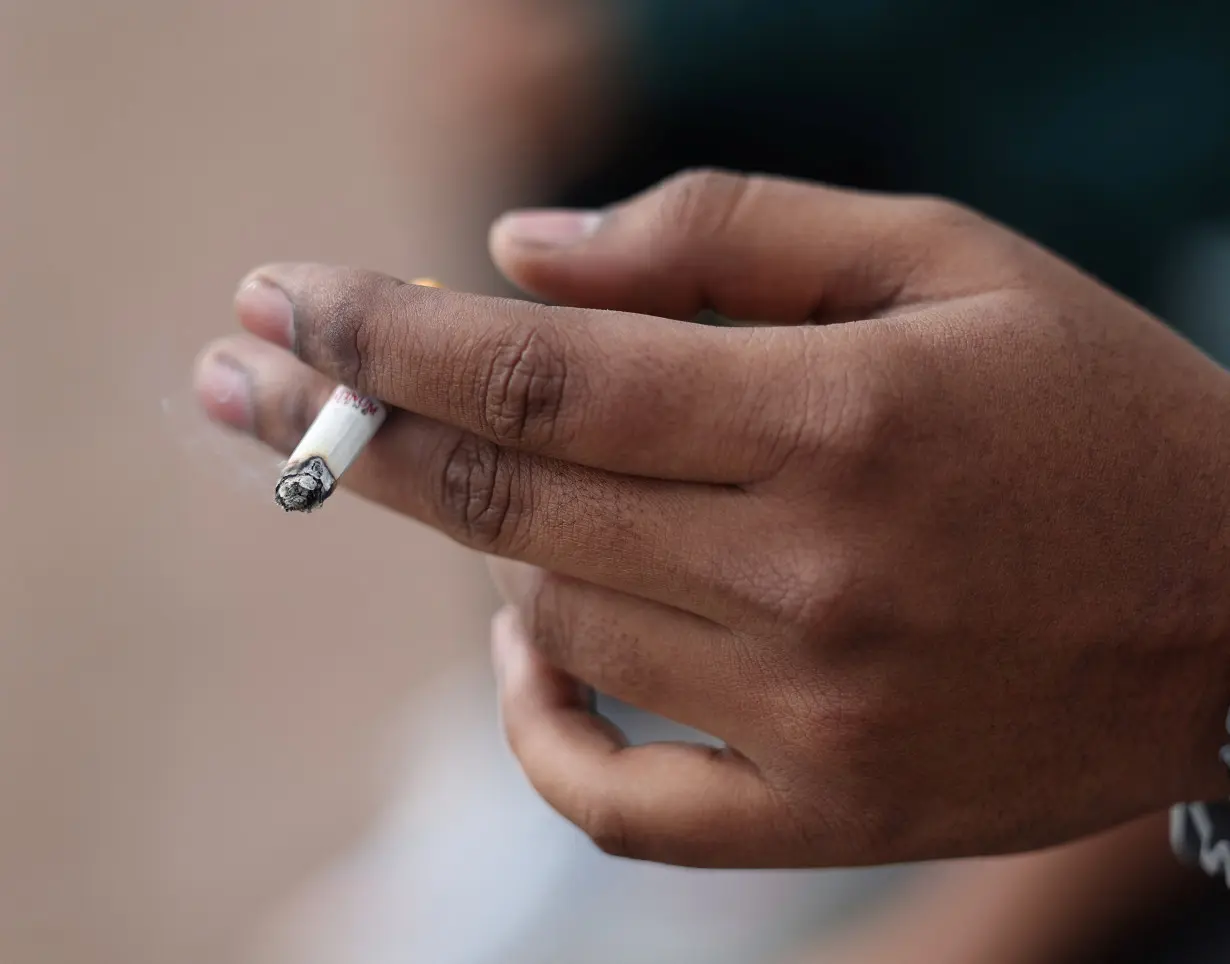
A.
x: 305, y: 485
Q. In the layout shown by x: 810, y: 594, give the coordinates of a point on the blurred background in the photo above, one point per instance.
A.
x: 205, y: 759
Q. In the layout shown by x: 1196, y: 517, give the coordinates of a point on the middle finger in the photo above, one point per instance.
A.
x: 622, y: 532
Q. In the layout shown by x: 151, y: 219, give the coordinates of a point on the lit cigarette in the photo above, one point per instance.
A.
x: 341, y: 431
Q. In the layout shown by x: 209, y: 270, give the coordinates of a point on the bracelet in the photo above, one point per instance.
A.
x: 1200, y: 832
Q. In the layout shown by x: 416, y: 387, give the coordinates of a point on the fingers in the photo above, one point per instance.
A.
x: 673, y: 803
x: 575, y: 520
x: 642, y: 652
x: 255, y: 388
x: 625, y: 393
x: 752, y: 248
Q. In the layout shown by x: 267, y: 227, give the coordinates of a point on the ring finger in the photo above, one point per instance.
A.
x: 636, y: 650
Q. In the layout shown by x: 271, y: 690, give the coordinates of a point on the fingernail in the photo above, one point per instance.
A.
x: 225, y: 389
x: 505, y: 631
x: 554, y: 229
x: 265, y: 311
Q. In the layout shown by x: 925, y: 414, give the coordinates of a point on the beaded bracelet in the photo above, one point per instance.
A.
x: 1200, y: 832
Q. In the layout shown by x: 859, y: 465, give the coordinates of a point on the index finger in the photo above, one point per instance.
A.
x: 623, y: 392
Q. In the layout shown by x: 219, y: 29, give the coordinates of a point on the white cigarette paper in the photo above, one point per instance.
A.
x: 341, y: 431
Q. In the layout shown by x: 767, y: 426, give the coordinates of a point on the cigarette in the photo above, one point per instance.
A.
x: 340, y: 432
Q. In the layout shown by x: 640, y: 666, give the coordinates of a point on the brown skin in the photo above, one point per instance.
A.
x: 1060, y: 906
x: 947, y: 571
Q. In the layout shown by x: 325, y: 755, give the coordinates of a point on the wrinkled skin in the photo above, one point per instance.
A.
x: 939, y: 550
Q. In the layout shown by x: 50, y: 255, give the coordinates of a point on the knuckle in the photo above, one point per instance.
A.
x: 827, y: 602
x: 479, y: 498
x: 766, y: 592
x: 699, y: 203
x: 525, y: 390
x: 843, y: 613
x: 851, y: 724
x: 697, y: 185
x: 862, y: 415
x: 607, y: 828
x: 939, y: 215
x: 807, y: 597
x: 782, y: 422
x: 941, y: 238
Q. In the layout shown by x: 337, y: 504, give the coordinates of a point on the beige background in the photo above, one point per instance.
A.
x: 197, y: 693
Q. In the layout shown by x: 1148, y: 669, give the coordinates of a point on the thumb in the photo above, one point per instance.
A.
x: 751, y: 248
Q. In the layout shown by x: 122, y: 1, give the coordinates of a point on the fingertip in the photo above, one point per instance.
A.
x: 250, y: 385
x: 533, y: 248
x: 507, y: 640
x: 264, y: 308
x: 550, y: 230
x: 675, y: 803
x: 223, y: 387
x: 290, y: 276
x: 530, y: 687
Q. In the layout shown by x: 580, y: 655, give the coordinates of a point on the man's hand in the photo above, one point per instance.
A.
x: 1087, y: 901
x: 948, y: 570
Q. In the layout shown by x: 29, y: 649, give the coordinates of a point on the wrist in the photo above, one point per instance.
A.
x: 1191, y: 681
x: 1206, y: 697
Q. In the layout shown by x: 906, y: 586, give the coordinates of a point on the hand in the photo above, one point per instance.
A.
x: 1081, y: 902
x: 947, y: 571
